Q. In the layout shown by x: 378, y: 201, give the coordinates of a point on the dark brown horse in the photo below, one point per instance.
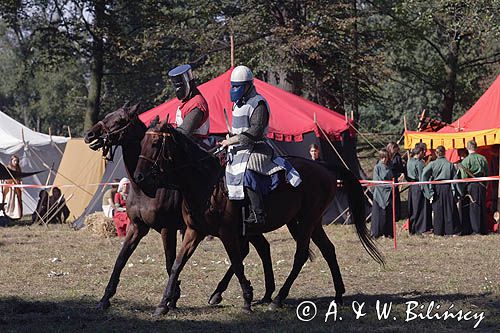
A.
x: 170, y: 159
x: 158, y: 209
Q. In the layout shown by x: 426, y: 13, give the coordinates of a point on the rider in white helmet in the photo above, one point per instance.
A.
x: 248, y: 150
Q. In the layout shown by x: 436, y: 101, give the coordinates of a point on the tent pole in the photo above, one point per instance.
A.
x: 231, y: 39
x: 331, y: 144
x: 365, y: 138
x: 498, y: 193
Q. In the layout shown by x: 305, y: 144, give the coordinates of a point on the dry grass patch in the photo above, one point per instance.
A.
x: 52, y: 278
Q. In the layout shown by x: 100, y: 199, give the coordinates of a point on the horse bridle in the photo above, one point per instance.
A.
x: 155, y: 168
x: 106, y: 137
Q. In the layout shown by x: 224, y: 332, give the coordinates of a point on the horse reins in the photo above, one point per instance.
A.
x: 162, y: 154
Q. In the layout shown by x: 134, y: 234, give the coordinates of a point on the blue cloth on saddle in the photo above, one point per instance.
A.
x: 260, y: 183
x: 265, y: 184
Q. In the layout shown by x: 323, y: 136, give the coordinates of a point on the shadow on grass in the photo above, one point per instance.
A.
x: 23, y: 315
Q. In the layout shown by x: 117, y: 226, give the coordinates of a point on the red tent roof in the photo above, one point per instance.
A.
x: 485, y: 114
x: 481, y: 123
x: 291, y: 115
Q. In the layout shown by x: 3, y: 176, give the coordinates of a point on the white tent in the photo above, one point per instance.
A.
x: 36, y: 152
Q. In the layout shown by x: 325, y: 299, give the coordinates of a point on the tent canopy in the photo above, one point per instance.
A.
x: 80, y: 166
x: 291, y: 116
x: 13, y: 132
x: 481, y: 123
x: 36, y: 152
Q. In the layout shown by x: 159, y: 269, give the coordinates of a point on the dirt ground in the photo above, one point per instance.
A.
x: 51, y: 279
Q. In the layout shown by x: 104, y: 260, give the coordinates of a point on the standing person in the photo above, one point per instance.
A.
x: 108, y: 203
x: 398, y: 169
x: 474, y: 165
x: 427, y: 204
x: 252, y: 167
x: 382, y: 198
x: 314, y: 152
x: 446, y: 220
x: 192, y: 117
x: 419, y: 210
x: 120, y: 217
x: 12, y: 196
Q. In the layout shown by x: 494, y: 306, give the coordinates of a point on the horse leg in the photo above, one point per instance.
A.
x: 300, y: 258
x: 327, y: 249
x: 262, y: 247
x: 134, y: 235
x: 191, y: 240
x: 169, y: 239
x: 216, y: 296
x: 230, y: 240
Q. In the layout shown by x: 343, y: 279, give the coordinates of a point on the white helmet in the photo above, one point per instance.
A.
x: 241, y: 74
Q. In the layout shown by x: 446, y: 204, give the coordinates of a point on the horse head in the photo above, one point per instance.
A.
x: 112, y: 130
x: 158, y: 157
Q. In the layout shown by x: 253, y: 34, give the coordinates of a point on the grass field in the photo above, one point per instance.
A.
x: 51, y: 279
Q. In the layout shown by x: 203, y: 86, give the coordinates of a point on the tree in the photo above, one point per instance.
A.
x: 447, y: 46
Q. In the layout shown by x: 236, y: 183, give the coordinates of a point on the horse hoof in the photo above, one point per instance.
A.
x: 215, y: 299
x: 264, y: 300
x: 247, y: 309
x: 274, y: 306
x: 103, y: 305
x: 159, y: 311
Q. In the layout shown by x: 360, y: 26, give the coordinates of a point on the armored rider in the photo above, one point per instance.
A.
x: 192, y: 117
x: 252, y: 167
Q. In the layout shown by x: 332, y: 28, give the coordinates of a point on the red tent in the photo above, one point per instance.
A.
x: 291, y: 116
x: 481, y: 123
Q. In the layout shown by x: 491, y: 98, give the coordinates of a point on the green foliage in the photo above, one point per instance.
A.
x: 63, y: 60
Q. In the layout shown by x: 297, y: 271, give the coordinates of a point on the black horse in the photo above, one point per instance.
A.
x: 159, y: 209
x: 170, y: 159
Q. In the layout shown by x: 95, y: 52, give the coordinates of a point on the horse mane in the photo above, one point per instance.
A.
x: 205, y: 165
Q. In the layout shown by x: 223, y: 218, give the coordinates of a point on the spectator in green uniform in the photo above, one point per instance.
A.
x: 382, y: 198
x: 474, y: 165
x: 419, y: 209
x: 446, y: 220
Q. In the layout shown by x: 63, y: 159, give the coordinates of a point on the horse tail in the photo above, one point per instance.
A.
x: 354, y: 192
x: 311, y: 255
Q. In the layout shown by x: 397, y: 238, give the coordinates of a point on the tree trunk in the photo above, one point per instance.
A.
x: 96, y: 68
x: 450, y: 85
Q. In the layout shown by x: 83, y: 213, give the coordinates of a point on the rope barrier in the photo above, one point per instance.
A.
x: 366, y: 183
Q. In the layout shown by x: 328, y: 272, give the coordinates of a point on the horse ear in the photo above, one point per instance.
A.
x: 154, y: 122
x: 133, y: 110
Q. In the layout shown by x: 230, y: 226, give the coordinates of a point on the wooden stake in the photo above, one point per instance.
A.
x: 231, y: 39
x: 69, y: 132
x: 346, y: 118
x: 404, y: 121
x: 394, y: 226
x: 352, y: 115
